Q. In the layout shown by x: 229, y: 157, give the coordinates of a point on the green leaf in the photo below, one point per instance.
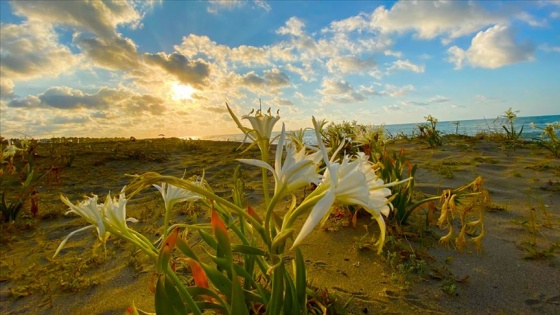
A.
x: 185, y: 249
x: 246, y: 249
x: 174, y: 298
x: 300, y: 279
x: 162, y: 303
x: 218, y: 279
x: 291, y: 303
x: 208, y: 239
x: 276, y: 302
x: 204, y: 293
x: 281, y: 238
x: 238, y: 305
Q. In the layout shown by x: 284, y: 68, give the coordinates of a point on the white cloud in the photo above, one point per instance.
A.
x: 397, y: 91
x: 216, y: 5
x: 339, y: 92
x: 493, y: 48
x: 6, y: 88
x: 439, y: 99
x: 201, y: 46
x: 31, y: 50
x: 351, y: 24
x: 531, y: 20
x: 69, y: 99
x: 293, y: 27
x: 548, y: 48
x: 114, y: 53
x: 306, y: 73
x: 279, y: 101
x: 430, y: 19
x: 389, y: 52
x: 350, y: 64
x: 101, y: 18
x: 191, y: 72
x: 269, y: 83
x: 405, y: 65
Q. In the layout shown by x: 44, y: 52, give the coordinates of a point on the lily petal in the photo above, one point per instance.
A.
x: 320, y: 210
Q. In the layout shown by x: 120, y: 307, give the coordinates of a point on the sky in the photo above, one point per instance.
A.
x: 144, y: 68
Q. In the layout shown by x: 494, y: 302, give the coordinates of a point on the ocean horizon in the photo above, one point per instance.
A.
x: 469, y: 127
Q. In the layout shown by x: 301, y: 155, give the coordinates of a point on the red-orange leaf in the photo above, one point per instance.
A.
x: 254, y: 214
x: 172, y: 238
x: 217, y: 222
x: 199, y: 275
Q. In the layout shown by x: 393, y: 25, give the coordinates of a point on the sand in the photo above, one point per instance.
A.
x: 522, y: 220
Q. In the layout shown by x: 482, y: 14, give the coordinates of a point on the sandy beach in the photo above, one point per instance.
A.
x: 517, y: 271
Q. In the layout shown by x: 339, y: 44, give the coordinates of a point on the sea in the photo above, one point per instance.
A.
x: 463, y: 127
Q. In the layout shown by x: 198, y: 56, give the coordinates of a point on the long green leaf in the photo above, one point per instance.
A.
x: 300, y: 280
x: 162, y: 303
x: 218, y: 279
x: 208, y: 239
x: 184, y: 247
x: 246, y: 249
x: 291, y: 303
x: 174, y: 298
x: 204, y: 293
x: 276, y: 302
x: 238, y: 305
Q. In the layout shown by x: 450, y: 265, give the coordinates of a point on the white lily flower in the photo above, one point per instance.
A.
x: 10, y: 151
x: 172, y: 195
x: 115, y: 212
x: 350, y: 183
x: 262, y: 124
x: 299, y: 169
x: 90, y: 211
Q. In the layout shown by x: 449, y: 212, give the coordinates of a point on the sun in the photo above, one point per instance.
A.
x: 182, y: 92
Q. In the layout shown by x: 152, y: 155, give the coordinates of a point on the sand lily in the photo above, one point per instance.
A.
x: 297, y: 170
x: 261, y: 135
x: 9, y: 152
x: 90, y: 211
x: 262, y: 126
x: 351, y: 183
x: 115, y: 213
x: 172, y: 194
x: 262, y: 123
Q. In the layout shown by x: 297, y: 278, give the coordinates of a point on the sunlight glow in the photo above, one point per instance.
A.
x: 182, y: 92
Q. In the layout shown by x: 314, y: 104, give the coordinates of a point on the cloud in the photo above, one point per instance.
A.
x: 548, y: 48
x: 405, y: 65
x: 493, y: 48
x: 339, y: 92
x: 101, y: 18
x: 397, y: 91
x: 425, y: 19
x: 279, y: 102
x: 430, y: 19
x: 6, y: 88
x: 438, y: 99
x: 354, y: 23
x: 114, y: 53
x: 293, y: 27
x: 192, y: 72
x: 306, y: 73
x: 414, y: 103
x: 216, y: 5
x: 272, y: 79
x: 66, y: 98
x: 201, y: 46
x: 31, y: 50
x: 350, y: 64
x: 392, y: 108
x: 531, y: 20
